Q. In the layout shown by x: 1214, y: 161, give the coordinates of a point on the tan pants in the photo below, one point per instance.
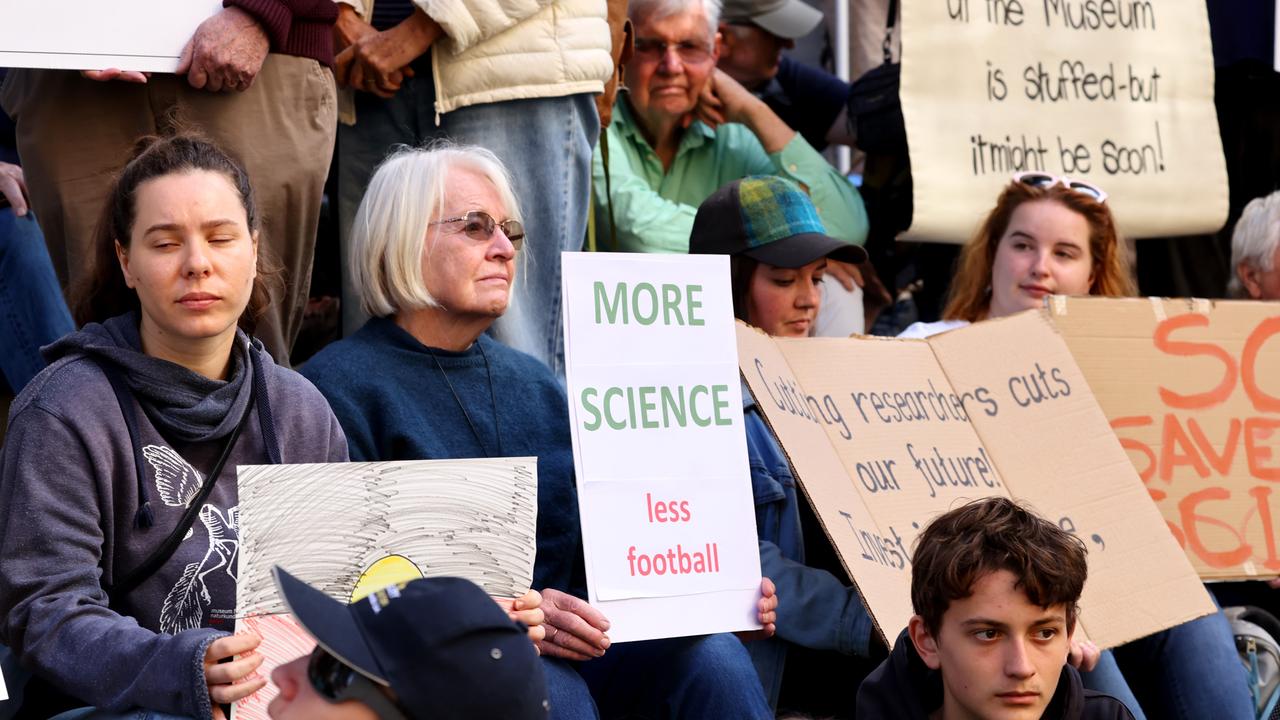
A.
x: 75, y: 134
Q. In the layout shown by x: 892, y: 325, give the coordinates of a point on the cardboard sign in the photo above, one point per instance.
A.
x: 664, y: 491
x: 1116, y: 92
x: 144, y: 35
x: 1192, y: 389
x: 886, y: 434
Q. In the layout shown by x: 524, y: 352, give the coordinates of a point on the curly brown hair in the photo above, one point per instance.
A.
x: 962, y: 545
x: 970, y: 296
x: 103, y: 293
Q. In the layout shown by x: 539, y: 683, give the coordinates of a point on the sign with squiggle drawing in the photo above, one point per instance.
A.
x: 350, y: 528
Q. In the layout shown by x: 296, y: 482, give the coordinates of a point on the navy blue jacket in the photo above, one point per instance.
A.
x: 396, y: 403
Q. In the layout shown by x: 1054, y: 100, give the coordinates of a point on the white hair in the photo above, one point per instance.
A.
x: 389, y: 232
x: 1254, y: 240
x: 638, y: 10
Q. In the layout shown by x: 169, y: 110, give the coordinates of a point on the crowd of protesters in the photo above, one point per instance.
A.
x: 474, y: 142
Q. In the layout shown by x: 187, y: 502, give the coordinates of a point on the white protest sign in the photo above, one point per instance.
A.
x: 1115, y: 92
x: 145, y: 35
x: 655, y: 401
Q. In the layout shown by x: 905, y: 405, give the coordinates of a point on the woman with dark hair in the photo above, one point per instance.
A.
x: 1046, y: 235
x: 1051, y: 235
x: 778, y: 251
x: 112, y: 593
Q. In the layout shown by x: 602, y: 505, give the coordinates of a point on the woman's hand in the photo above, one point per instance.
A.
x: 1084, y: 655
x: 574, y: 629
x: 235, y: 680
x: 766, y: 613
x: 527, y: 609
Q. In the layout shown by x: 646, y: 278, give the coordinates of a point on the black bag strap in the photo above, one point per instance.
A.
x: 165, y: 550
x: 888, y: 30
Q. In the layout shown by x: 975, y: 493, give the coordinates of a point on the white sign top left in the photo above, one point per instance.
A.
x: 143, y: 35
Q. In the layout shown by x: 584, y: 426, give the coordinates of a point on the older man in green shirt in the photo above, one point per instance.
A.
x: 683, y: 129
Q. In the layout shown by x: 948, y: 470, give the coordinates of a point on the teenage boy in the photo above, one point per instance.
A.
x: 994, y: 588
x: 432, y: 649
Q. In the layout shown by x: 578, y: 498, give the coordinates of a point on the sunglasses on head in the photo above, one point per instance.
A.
x: 1045, y: 180
x: 337, y: 682
x: 479, y: 225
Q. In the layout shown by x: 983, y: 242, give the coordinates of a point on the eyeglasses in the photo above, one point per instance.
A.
x: 1045, y: 180
x: 480, y: 225
x: 337, y: 682
x: 690, y: 52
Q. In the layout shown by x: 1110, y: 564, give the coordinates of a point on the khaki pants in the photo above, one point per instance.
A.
x: 75, y: 134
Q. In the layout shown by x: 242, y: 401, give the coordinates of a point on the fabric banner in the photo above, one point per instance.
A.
x: 1115, y: 92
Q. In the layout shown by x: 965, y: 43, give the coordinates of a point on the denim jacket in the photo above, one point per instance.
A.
x: 815, y: 608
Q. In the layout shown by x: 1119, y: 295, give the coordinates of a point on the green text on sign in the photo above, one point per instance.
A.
x: 645, y: 304
x: 650, y: 407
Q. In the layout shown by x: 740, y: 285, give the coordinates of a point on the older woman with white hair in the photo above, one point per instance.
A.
x: 435, y: 247
x: 1255, y: 251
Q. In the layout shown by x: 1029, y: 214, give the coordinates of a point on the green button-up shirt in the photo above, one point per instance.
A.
x: 654, y: 209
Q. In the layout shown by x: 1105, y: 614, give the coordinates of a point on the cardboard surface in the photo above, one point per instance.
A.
x: 1192, y: 389
x: 655, y: 404
x: 1116, y: 92
x: 145, y: 35
x: 908, y: 429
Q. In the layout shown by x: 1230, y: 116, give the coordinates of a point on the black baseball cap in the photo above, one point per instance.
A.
x: 441, y: 644
x: 767, y: 218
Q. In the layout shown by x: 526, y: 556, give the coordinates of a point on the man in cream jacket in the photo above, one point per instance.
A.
x: 514, y: 76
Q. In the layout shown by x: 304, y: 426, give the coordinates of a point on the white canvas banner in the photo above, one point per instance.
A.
x: 145, y: 35
x: 1115, y: 92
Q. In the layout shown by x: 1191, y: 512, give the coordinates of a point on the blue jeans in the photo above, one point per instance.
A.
x: 1189, y: 672
x: 567, y: 692
x: 708, y: 676
x: 1107, y: 678
x: 546, y: 145
x: 32, y: 310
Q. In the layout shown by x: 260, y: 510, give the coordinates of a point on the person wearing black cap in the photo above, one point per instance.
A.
x: 430, y: 649
x: 812, y: 101
x: 778, y: 248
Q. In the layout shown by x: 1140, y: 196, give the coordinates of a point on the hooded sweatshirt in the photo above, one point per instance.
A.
x: 904, y: 688
x: 72, y: 507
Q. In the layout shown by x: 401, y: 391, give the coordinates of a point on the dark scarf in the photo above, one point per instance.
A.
x: 182, y: 404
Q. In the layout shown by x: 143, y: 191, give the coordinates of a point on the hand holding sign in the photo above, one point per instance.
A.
x: 767, y: 614
x: 225, y: 53
x: 527, y: 609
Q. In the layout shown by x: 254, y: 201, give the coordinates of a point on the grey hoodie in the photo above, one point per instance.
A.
x: 70, y: 496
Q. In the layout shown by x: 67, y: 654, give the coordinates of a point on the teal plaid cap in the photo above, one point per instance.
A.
x: 770, y: 219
